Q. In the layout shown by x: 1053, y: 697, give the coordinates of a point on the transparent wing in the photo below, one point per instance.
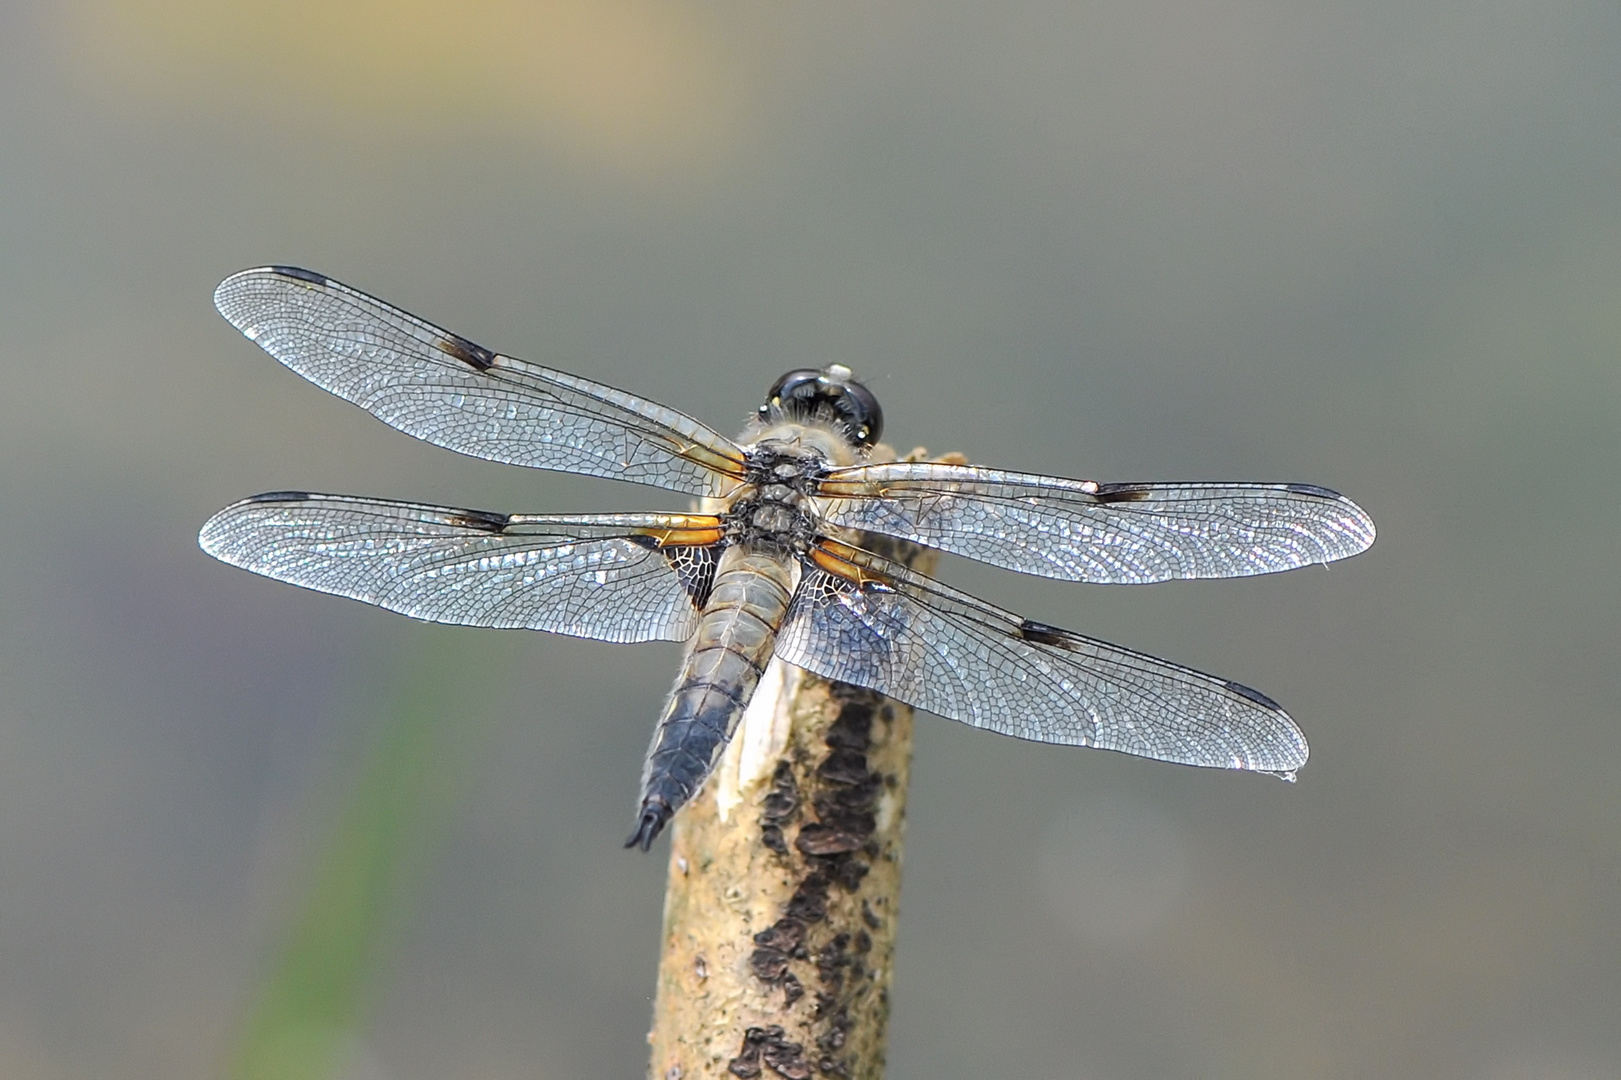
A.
x: 860, y: 619
x: 438, y: 386
x: 1078, y: 530
x: 614, y: 577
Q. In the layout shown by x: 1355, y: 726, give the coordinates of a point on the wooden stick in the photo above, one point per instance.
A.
x: 784, y: 882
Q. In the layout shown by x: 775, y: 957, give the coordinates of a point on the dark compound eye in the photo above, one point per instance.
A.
x: 796, y: 386
x: 866, y: 416
x: 832, y: 394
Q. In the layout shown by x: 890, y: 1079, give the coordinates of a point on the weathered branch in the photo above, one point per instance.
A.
x: 782, y: 904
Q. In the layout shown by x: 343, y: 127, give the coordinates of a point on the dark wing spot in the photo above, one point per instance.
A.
x: 1254, y: 695
x: 482, y: 520
x: 279, y: 496
x: 1116, y: 493
x: 695, y: 566
x: 1042, y: 634
x: 474, y: 356
x: 1311, y: 489
x: 302, y: 274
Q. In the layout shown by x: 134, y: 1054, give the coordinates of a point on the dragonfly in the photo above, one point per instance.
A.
x: 780, y: 563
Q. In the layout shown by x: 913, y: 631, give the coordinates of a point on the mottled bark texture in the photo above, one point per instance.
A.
x: 781, y: 910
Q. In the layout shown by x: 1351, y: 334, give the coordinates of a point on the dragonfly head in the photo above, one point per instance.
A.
x: 831, y: 396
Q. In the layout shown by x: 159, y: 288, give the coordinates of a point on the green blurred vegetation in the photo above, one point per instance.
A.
x: 399, y: 807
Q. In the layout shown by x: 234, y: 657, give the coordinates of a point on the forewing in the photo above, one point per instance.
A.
x: 614, y: 577
x: 1078, y: 530
x: 860, y: 619
x: 438, y: 386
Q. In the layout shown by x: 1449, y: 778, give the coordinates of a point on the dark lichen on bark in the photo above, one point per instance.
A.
x: 791, y: 903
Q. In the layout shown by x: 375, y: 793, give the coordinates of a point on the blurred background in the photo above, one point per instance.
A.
x: 247, y: 831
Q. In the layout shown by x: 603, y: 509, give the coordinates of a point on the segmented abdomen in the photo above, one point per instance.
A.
x: 725, y: 657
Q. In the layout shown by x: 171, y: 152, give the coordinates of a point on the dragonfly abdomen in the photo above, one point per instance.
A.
x: 725, y: 658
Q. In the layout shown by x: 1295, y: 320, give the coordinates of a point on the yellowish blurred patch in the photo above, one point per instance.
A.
x: 637, y: 86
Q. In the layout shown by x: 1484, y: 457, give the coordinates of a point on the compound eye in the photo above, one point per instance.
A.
x: 829, y: 394
x: 796, y: 386
x: 866, y: 418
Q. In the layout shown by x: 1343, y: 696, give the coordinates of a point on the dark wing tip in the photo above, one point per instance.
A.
x: 215, y: 528
x: 300, y: 273
x: 1254, y: 695
x: 297, y: 273
x: 655, y: 812
x: 1357, y: 517
x: 234, y: 297
x: 1281, y: 764
x: 279, y: 496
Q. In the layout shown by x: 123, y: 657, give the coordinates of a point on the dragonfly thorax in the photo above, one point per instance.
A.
x: 773, y: 509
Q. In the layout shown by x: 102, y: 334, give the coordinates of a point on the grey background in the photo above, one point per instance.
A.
x: 1375, y: 246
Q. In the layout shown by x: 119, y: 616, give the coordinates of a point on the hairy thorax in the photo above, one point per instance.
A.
x: 773, y: 509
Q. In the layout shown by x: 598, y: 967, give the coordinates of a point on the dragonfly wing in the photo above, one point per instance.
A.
x: 613, y: 577
x: 440, y: 387
x: 861, y: 619
x: 1078, y: 530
